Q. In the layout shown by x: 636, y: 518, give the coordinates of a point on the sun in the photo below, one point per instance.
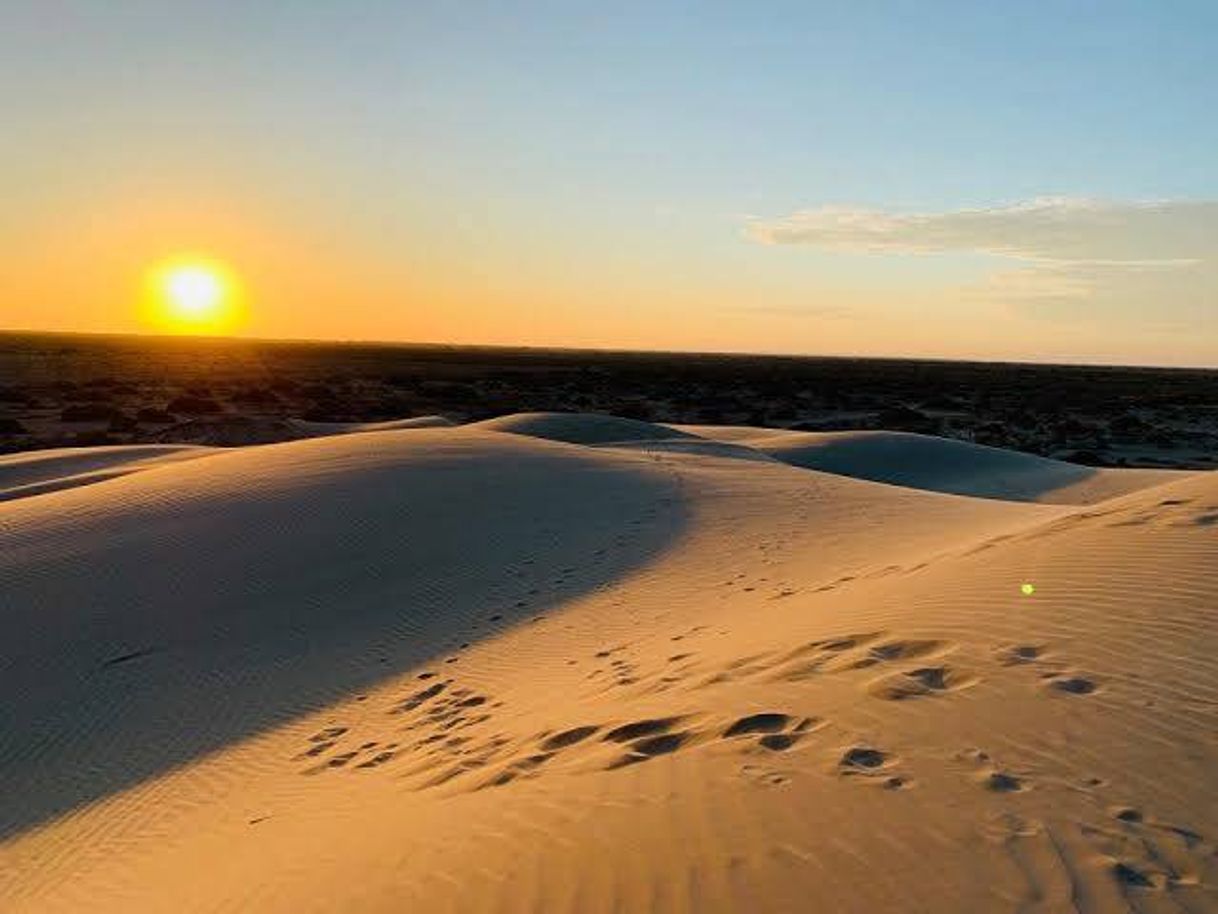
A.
x: 192, y: 294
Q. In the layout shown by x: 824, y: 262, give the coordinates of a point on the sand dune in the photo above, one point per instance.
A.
x: 941, y: 464
x: 463, y: 670
x: 240, y: 430
x: 38, y: 472
x: 580, y: 428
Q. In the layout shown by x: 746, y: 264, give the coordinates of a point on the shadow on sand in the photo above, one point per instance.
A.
x: 158, y: 618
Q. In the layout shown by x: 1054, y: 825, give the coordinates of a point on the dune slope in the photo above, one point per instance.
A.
x: 751, y: 687
x: 942, y: 464
x: 156, y: 617
x: 38, y: 472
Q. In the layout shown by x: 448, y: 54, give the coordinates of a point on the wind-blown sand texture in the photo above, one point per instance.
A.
x: 484, y: 668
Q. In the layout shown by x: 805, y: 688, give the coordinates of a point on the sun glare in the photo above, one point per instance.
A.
x: 192, y: 295
x: 193, y: 292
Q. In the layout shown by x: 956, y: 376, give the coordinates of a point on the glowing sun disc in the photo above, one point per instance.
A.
x: 191, y: 294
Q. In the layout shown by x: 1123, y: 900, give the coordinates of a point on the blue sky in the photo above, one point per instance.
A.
x: 622, y: 153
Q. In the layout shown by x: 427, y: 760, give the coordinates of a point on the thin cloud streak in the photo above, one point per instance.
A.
x: 1154, y: 261
x: 1046, y: 228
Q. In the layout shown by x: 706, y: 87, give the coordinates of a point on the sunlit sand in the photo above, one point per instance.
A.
x: 577, y: 663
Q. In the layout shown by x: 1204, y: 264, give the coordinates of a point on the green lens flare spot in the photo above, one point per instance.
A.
x: 1027, y: 589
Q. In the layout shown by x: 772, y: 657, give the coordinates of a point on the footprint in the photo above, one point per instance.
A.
x: 779, y: 742
x: 766, y: 776
x: 845, y: 642
x: 862, y: 760
x: 1128, y: 875
x: 1071, y: 685
x: 641, y: 728
x: 1019, y: 653
x: 644, y: 749
x: 897, y: 650
x: 1004, y: 782
x: 1146, y: 856
x: 377, y: 760
x: 777, y: 734
x: 330, y: 733
x: 768, y: 722
x: 316, y: 750
x: 337, y: 762
x: 418, y: 698
x: 525, y: 767
x: 811, y: 658
x: 568, y: 738
x: 929, y: 680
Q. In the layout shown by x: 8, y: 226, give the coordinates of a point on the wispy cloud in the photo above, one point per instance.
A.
x: 1047, y: 228
x: 1156, y: 260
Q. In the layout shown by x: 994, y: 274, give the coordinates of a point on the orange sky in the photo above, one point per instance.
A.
x: 737, y: 183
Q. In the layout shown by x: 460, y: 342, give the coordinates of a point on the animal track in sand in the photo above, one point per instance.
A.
x: 436, y: 716
x: 329, y: 733
x: 624, y: 672
x: 316, y: 750
x: 412, y: 702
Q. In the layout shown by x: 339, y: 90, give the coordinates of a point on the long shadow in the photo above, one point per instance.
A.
x: 195, y: 606
x: 933, y: 464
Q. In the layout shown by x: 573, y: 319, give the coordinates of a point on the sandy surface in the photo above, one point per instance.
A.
x: 478, y: 669
x: 941, y: 464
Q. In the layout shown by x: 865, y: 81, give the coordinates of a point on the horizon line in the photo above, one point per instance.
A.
x: 605, y: 350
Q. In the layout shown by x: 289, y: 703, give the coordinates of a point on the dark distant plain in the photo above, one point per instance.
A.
x: 84, y: 389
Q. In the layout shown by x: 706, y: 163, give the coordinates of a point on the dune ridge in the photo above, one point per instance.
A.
x: 480, y: 669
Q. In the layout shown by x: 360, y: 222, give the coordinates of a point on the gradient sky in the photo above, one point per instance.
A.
x: 1031, y: 180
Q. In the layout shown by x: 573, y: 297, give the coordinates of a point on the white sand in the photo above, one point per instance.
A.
x: 694, y: 682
